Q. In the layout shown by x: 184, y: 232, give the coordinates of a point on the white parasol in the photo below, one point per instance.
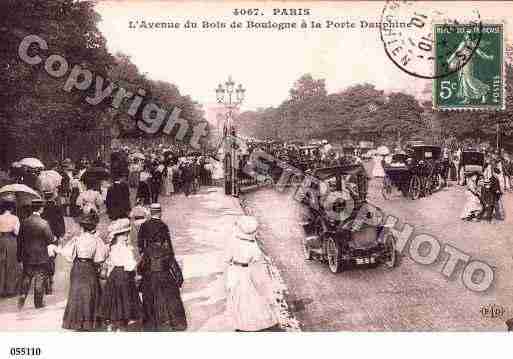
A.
x: 32, y: 162
x: 24, y: 194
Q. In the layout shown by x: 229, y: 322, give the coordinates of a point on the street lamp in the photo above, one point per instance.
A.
x: 224, y: 95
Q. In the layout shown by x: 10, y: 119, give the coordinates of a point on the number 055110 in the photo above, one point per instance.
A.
x: 25, y: 351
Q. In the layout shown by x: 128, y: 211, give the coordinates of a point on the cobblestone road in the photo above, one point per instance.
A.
x: 410, y: 297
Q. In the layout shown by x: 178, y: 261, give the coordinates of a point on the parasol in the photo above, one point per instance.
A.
x: 24, y: 194
x: 383, y: 150
x: 32, y: 162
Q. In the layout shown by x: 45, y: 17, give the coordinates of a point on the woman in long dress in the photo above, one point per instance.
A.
x: 170, y: 171
x: 10, y: 269
x: 470, y: 88
x: 247, y: 304
x: 144, y: 189
x: 74, y: 209
x: 87, y: 251
x: 161, y: 282
x: 120, y: 305
x: 473, y: 205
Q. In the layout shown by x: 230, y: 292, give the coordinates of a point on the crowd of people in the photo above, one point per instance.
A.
x: 108, y: 272
x: 125, y: 277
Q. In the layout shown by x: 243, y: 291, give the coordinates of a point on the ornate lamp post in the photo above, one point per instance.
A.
x: 231, y: 97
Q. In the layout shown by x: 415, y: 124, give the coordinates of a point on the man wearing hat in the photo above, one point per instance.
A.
x: 34, y: 238
x: 54, y: 215
x: 153, y: 229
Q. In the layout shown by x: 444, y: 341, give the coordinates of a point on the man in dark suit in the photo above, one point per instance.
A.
x: 153, y: 229
x: 53, y: 213
x: 118, y: 200
x: 33, y: 240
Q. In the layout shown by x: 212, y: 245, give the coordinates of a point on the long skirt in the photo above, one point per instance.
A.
x: 10, y: 269
x: 162, y: 304
x: 84, y: 297
x: 249, y: 309
x: 120, y: 298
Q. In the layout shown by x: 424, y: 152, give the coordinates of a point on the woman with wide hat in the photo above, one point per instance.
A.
x: 247, y: 301
x: 87, y: 251
x: 120, y: 305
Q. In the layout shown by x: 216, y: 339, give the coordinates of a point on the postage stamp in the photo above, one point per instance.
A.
x: 478, y: 58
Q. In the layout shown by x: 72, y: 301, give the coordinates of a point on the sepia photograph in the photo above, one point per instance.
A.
x: 254, y: 166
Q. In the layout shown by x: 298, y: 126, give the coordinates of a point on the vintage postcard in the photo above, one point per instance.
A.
x: 255, y: 166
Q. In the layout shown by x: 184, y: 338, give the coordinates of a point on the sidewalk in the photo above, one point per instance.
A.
x: 200, y: 225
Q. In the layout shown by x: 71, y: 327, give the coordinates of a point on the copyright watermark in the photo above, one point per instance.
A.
x: 153, y: 117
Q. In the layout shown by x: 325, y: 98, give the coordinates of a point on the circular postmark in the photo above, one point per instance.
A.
x: 410, y: 42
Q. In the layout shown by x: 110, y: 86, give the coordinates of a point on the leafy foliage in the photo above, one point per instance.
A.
x: 35, y: 108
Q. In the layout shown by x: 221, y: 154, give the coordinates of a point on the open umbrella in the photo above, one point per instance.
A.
x: 24, y: 194
x: 32, y: 162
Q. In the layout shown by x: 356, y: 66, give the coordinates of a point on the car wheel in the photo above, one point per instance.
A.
x: 392, y: 252
x: 306, y: 250
x: 333, y: 253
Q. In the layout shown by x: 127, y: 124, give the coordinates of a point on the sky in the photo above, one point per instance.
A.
x: 265, y: 62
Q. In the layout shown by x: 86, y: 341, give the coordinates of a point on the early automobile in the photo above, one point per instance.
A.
x: 356, y: 236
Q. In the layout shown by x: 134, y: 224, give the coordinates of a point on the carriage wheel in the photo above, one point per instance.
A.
x: 386, y: 190
x: 415, y: 185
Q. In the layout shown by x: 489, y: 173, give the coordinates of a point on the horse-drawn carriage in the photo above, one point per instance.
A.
x: 471, y: 161
x: 415, y: 174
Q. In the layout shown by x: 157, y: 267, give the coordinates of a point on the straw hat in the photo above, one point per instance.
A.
x: 247, y: 224
x: 120, y: 226
x: 155, y: 208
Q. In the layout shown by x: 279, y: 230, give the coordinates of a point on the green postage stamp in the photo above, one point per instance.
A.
x: 471, y: 59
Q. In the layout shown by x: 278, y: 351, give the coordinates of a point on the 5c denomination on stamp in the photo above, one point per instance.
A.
x: 478, y: 58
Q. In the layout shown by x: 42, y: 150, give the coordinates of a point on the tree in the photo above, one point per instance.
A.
x: 305, y: 87
x: 34, y: 108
